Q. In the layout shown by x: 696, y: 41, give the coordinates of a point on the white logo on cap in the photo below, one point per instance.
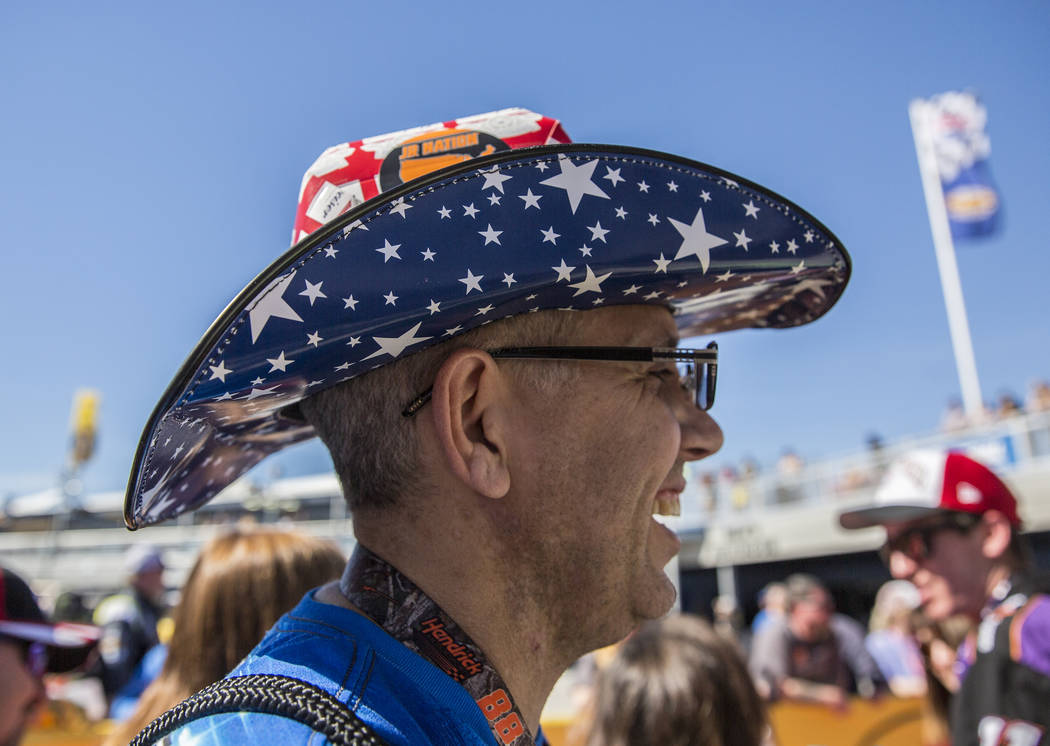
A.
x: 332, y: 200
x: 967, y: 494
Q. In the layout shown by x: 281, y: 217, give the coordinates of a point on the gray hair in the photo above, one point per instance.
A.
x: 375, y: 449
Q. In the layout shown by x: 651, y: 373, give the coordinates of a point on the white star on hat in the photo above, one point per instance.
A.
x: 550, y: 235
x: 751, y: 210
x: 313, y: 292
x: 613, y: 175
x: 590, y: 284
x: 597, y: 232
x: 472, y: 281
x: 394, y: 346
x: 576, y: 181
x: 470, y: 210
x: 389, y: 250
x: 742, y: 239
x: 815, y: 284
x: 564, y: 271
x: 661, y: 263
x: 491, y: 236
x: 219, y: 371
x: 280, y: 362
x: 400, y: 206
x: 696, y: 241
x: 531, y: 200
x: 272, y: 304
x: 494, y: 179
x: 256, y: 393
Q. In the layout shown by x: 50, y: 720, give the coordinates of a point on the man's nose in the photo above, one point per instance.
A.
x: 901, y: 566
x: 701, y: 435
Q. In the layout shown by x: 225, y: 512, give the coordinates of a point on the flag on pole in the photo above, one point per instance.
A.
x: 956, y: 127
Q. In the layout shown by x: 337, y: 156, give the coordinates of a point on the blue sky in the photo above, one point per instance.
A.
x: 150, y: 158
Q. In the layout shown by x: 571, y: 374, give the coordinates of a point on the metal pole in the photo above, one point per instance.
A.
x: 958, y: 325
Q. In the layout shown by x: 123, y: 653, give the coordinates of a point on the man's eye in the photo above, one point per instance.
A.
x: 665, y: 374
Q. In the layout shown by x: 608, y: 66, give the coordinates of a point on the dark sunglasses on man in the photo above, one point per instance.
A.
x: 915, y: 541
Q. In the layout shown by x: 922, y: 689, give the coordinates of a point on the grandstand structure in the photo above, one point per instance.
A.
x: 737, y: 535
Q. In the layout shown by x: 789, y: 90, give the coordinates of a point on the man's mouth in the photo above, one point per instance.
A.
x: 668, y: 502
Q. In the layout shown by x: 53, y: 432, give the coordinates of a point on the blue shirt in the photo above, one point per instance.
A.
x: 402, y: 697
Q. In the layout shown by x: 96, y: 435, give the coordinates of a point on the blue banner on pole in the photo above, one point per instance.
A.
x: 962, y: 147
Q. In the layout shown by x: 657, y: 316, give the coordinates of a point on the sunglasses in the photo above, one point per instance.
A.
x: 915, y: 542
x: 697, y: 370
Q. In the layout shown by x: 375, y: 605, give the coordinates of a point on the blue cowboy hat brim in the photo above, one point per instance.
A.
x: 562, y: 226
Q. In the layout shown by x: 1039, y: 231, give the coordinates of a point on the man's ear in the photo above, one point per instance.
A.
x: 996, y: 535
x: 470, y: 420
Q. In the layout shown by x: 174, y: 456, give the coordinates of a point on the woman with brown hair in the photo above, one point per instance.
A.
x: 677, y: 682
x: 242, y: 582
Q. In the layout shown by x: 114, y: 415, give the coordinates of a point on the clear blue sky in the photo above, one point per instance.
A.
x: 150, y: 158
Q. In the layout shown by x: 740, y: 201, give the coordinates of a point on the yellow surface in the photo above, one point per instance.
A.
x: 62, y: 723
x: 885, y: 722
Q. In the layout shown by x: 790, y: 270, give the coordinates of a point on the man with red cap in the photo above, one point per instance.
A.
x: 952, y: 529
x: 30, y: 646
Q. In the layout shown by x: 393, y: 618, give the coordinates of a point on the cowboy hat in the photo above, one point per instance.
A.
x: 406, y: 263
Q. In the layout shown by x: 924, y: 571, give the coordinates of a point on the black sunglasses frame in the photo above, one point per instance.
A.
x: 705, y: 360
x: 924, y: 532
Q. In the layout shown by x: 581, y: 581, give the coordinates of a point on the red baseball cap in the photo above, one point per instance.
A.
x: 21, y: 618
x: 924, y: 482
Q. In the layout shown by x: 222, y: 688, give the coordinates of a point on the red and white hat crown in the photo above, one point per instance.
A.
x: 927, y: 481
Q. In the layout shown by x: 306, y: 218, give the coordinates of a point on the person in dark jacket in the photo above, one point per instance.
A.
x: 129, y: 618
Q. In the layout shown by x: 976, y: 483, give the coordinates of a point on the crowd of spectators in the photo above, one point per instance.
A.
x: 1006, y: 406
x: 738, y: 487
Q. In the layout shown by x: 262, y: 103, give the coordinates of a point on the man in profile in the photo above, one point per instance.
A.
x: 953, y: 530
x: 489, y: 353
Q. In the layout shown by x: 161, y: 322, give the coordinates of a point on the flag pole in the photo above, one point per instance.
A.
x: 958, y: 325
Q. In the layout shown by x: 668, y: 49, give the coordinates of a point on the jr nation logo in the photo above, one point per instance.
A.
x: 428, y: 152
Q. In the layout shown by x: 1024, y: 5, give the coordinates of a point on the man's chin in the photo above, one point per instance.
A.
x: 658, y: 600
